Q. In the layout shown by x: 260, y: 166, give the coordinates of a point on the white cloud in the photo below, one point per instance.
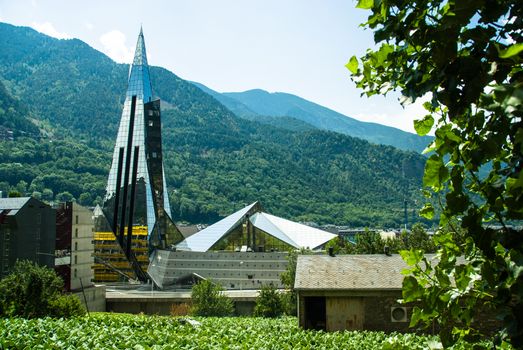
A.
x: 49, y: 29
x: 114, y: 46
x: 88, y: 25
x: 403, y: 119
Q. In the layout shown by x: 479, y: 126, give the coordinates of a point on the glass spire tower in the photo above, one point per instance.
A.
x: 136, y: 193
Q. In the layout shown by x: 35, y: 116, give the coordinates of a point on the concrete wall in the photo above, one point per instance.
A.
x: 95, y: 296
x: 163, y: 306
x: 82, y: 247
x: 233, y: 270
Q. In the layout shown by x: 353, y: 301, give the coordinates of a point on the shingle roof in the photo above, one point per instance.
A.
x: 349, y: 272
x: 15, y: 203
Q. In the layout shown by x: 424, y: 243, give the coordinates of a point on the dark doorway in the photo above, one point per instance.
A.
x: 315, y: 313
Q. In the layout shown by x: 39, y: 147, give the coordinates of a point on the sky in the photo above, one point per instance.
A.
x: 293, y: 46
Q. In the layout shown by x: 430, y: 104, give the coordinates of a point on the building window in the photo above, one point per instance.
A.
x: 151, y: 123
x: 75, y: 261
x: 76, y: 232
x: 76, y: 219
x: 75, y: 245
x: 75, y: 273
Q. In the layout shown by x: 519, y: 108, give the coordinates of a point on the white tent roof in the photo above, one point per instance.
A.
x: 203, y: 240
x: 292, y: 233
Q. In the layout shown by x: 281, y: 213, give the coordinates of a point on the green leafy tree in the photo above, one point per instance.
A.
x: 32, y: 291
x: 369, y: 242
x: 466, y: 57
x: 64, y: 197
x: 47, y: 194
x: 208, y: 300
x: 14, y: 194
x: 37, y: 195
x: 289, y: 298
x: 418, y: 238
x: 85, y: 199
x: 21, y: 187
x: 268, y: 302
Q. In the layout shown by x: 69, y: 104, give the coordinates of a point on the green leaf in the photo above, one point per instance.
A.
x: 411, y: 289
x: 427, y: 211
x: 511, y: 51
x: 365, y: 4
x: 424, y: 125
x: 411, y: 257
x: 435, y: 173
x: 352, y: 65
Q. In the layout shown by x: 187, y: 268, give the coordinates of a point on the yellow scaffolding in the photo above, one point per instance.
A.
x: 109, y: 252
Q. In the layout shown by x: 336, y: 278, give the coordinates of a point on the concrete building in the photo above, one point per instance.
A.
x: 351, y: 292
x: 232, y: 270
x: 74, y: 254
x: 27, y: 231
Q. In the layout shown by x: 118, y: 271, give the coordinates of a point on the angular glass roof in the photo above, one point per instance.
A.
x: 301, y: 236
x: 203, y: 240
x: 295, y: 234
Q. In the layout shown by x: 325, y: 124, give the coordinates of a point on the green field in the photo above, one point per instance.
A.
x: 121, y: 331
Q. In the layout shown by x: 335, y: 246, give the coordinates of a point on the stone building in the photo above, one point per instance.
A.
x: 351, y: 292
x: 27, y: 231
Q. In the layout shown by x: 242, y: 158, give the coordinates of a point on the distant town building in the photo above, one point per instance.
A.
x: 6, y: 134
x: 27, y: 231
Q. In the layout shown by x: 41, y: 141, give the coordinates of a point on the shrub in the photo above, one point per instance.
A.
x: 180, y: 309
x: 33, y: 291
x: 208, y: 300
x: 268, y: 302
x: 66, y: 305
x: 289, y: 303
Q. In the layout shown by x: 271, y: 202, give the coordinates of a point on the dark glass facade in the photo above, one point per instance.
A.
x: 136, y: 193
x: 27, y: 232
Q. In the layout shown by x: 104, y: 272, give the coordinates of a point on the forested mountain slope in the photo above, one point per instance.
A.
x: 253, y: 103
x: 215, y: 162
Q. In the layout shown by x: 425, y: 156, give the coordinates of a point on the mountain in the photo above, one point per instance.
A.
x: 14, y: 116
x: 251, y: 103
x: 215, y: 162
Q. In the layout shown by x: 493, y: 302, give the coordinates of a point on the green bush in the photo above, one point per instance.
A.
x: 208, y: 300
x: 66, y: 305
x: 269, y: 302
x: 33, y: 291
x: 289, y: 302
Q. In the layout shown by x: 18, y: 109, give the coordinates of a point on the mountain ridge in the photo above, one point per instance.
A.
x: 250, y: 103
